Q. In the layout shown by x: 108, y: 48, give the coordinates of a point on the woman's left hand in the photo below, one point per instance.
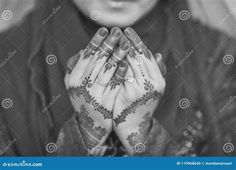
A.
x: 138, y: 98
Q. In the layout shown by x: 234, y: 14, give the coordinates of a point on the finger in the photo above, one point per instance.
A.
x: 138, y: 67
x: 119, y: 76
x: 95, y: 42
x: 72, y: 62
x: 160, y: 63
x: 107, y: 71
x: 129, y: 79
x: 153, y: 68
x: 123, y: 40
x: 110, y: 43
x: 115, y: 84
x: 137, y: 42
x: 104, y: 52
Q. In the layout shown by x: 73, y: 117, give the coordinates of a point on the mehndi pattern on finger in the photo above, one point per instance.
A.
x: 132, y: 52
x: 104, y: 51
x: 90, y: 50
x: 141, y: 70
x: 82, y: 91
x: 150, y: 94
x: 147, y: 53
x: 109, y: 64
x: 116, y: 81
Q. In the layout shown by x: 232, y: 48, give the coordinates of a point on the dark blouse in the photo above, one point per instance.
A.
x: 196, y: 116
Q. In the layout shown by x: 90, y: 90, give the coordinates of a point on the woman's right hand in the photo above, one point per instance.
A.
x: 91, y: 87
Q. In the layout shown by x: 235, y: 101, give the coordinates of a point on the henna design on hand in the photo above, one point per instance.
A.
x: 136, y: 138
x: 91, y: 134
x: 150, y: 94
x: 109, y: 64
x: 82, y: 91
x: 142, y: 51
x: 145, y: 52
x: 132, y: 52
x: 115, y: 81
x: 87, y: 123
x: 104, y: 51
x: 148, y: 86
x: 90, y: 50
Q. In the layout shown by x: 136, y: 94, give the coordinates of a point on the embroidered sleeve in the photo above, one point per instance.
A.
x: 70, y: 141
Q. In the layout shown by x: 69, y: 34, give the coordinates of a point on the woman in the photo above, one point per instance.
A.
x: 120, y: 103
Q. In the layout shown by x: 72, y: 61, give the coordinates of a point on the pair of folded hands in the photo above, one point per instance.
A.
x: 115, y: 83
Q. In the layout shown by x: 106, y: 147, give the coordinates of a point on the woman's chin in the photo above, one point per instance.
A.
x: 116, y: 22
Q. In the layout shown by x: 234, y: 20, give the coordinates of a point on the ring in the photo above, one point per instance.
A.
x: 90, y: 49
x: 116, y: 58
x: 129, y: 79
x: 118, y: 78
x: 113, y: 60
x: 93, y: 46
x: 111, y: 63
x: 105, y: 50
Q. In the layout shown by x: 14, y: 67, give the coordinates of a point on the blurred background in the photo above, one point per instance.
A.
x: 220, y: 14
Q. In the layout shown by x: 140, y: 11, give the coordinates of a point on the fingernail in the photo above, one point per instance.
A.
x: 125, y: 46
x: 116, y: 32
x: 129, y: 32
x: 103, y: 32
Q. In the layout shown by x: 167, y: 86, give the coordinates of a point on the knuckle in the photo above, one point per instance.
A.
x: 73, y: 60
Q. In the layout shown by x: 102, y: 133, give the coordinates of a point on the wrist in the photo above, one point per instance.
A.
x: 134, y: 137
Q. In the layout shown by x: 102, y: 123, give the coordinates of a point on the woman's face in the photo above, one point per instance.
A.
x: 119, y: 13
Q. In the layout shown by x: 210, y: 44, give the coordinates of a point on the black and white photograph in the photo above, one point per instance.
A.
x: 117, y: 78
